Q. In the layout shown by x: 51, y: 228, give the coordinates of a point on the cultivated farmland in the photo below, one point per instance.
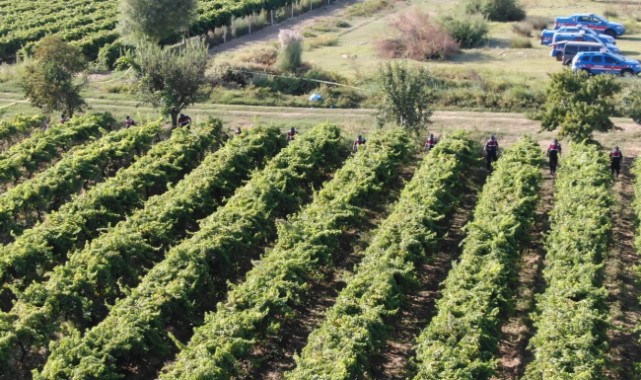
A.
x: 187, y: 263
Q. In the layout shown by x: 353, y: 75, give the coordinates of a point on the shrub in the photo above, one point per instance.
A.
x: 631, y: 103
x: 539, y: 22
x: 631, y: 26
x: 468, y: 32
x: 522, y: 29
x: 579, y: 105
x: 408, y: 96
x: 341, y: 97
x: 496, y: 10
x: 610, y: 13
x: 327, y: 39
x: 419, y: 38
x: 520, y: 43
x: 367, y: 7
x: 109, y: 54
x: 291, y: 50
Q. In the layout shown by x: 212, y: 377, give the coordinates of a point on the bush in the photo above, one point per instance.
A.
x: 109, y: 54
x: 631, y: 103
x: 468, y: 32
x: 631, y: 26
x: 520, y: 43
x: 341, y: 97
x: 419, y: 38
x: 496, y: 10
x: 367, y: 7
x: 291, y: 50
x: 522, y: 29
x: 408, y: 96
x: 328, y: 39
x: 539, y: 22
x: 610, y: 13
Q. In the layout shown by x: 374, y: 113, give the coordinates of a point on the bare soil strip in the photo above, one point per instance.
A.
x: 273, y: 358
x: 418, y: 306
x: 622, y: 283
x: 517, y: 330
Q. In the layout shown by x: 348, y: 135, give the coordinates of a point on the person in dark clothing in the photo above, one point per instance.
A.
x: 359, y: 141
x: 616, y: 156
x: 184, y: 120
x: 291, y: 134
x: 430, y: 143
x: 129, y: 122
x: 554, y: 151
x: 491, y: 152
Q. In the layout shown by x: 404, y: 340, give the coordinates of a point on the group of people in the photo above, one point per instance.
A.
x: 183, y: 120
x: 553, y: 152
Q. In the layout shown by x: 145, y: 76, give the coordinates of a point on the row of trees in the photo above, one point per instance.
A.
x: 170, y: 78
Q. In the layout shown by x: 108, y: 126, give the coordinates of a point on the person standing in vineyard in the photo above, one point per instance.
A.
x: 184, y: 120
x: 430, y: 143
x: 63, y: 118
x: 616, y: 156
x: 129, y: 122
x: 554, y: 150
x: 290, y: 135
x: 491, y: 152
x: 359, y: 141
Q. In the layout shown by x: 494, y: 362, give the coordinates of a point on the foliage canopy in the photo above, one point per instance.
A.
x: 578, y: 105
x: 50, y: 81
x: 170, y: 78
x: 155, y: 20
x: 407, y: 96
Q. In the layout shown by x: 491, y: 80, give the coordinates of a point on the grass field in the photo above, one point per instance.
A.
x: 352, y: 55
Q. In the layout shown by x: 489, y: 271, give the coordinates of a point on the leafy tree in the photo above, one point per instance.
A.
x: 631, y: 102
x: 579, y: 105
x: 170, y: 78
x: 155, y: 20
x: 496, y: 10
x: 468, y: 31
x: 407, y: 96
x: 51, y: 82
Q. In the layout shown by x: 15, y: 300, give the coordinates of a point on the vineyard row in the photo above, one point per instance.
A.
x: 194, y: 271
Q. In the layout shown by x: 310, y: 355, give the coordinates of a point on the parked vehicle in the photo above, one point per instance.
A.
x: 561, y: 38
x: 572, y: 48
x: 605, y: 63
x: 592, y: 21
x: 547, y: 35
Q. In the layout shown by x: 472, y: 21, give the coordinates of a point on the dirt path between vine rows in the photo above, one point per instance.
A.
x: 276, y: 356
x: 418, y: 307
x: 622, y: 283
x: 517, y: 330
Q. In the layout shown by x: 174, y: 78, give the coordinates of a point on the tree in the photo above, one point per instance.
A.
x: 496, y: 10
x: 155, y: 20
x: 578, y: 105
x: 631, y: 102
x: 170, y: 78
x: 407, y: 96
x: 51, y: 82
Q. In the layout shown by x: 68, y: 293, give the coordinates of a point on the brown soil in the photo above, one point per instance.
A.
x: 419, y: 306
x: 275, y: 356
x: 622, y: 284
x: 517, y: 330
